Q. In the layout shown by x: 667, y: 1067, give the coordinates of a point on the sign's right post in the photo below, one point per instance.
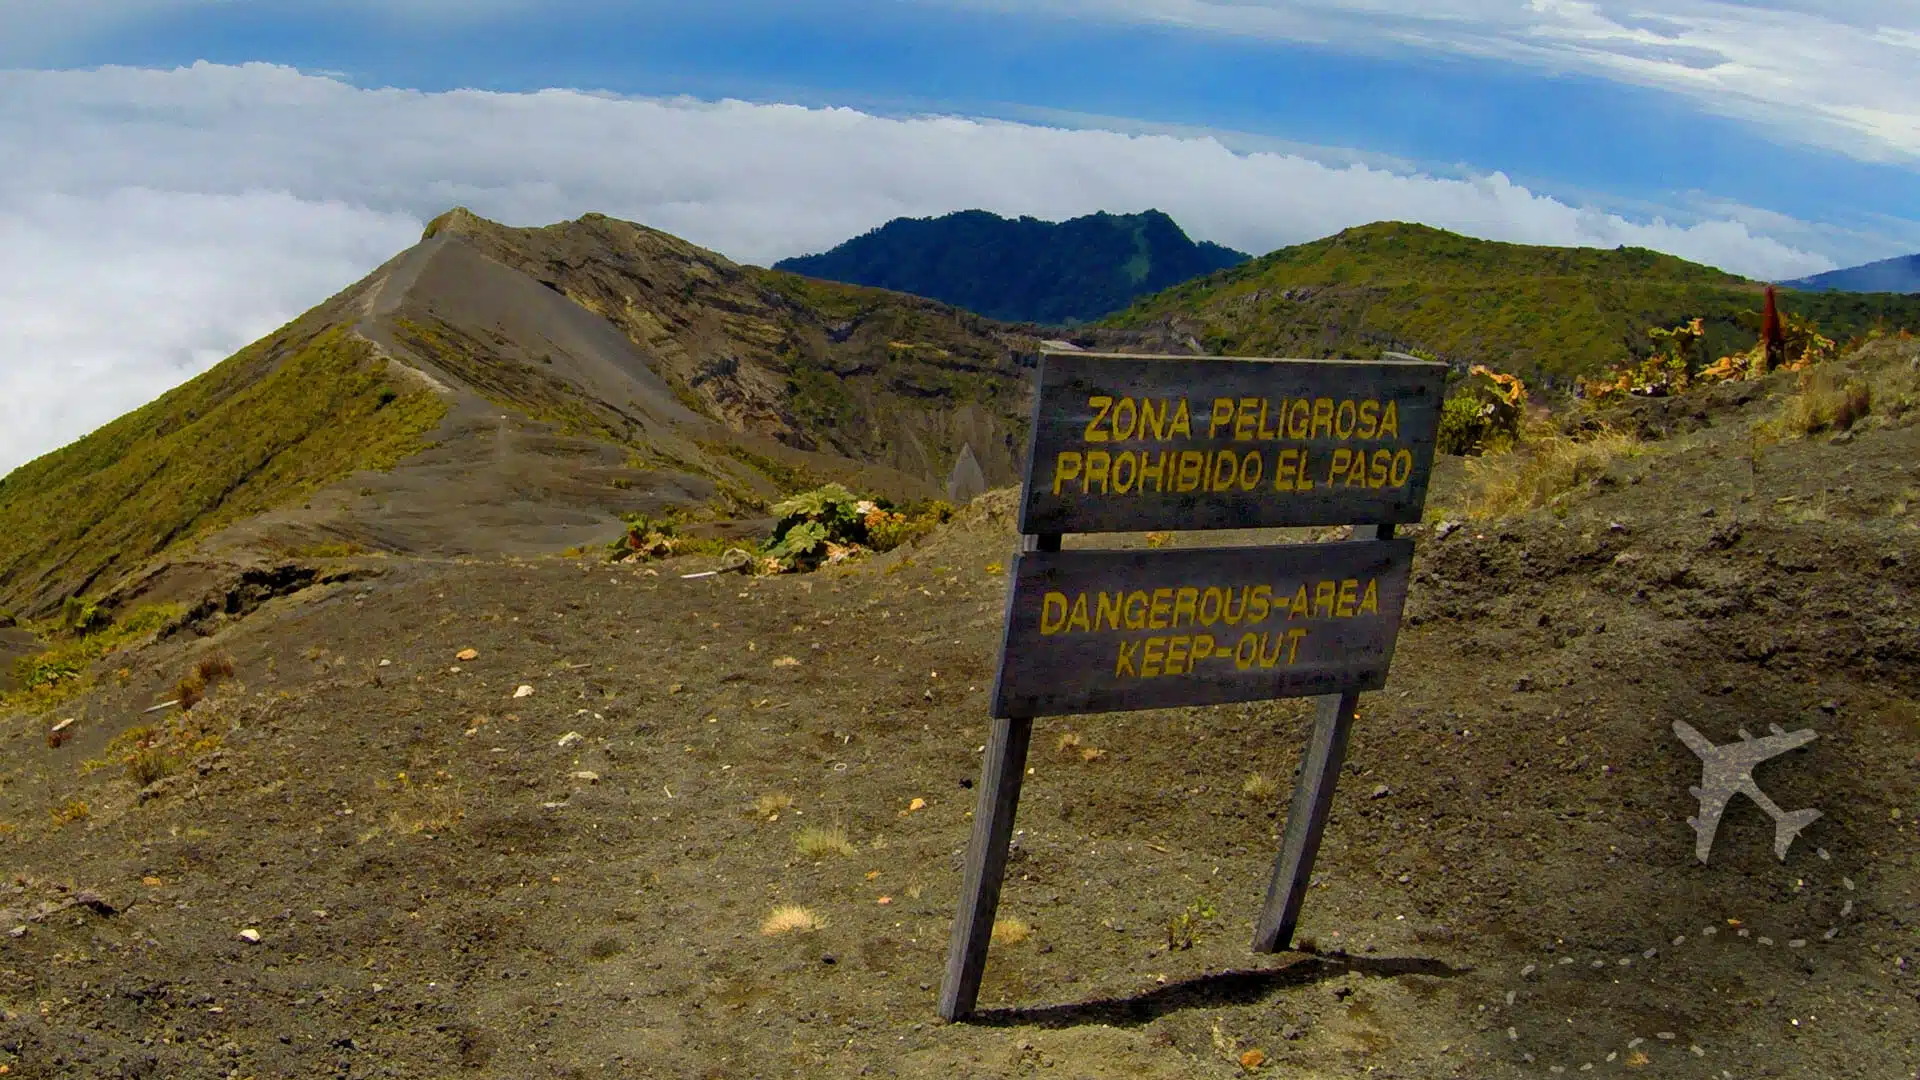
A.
x: 1320, y: 763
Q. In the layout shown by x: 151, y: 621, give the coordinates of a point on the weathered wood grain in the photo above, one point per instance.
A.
x: 1106, y: 631
x: 1320, y: 763
x: 1131, y: 443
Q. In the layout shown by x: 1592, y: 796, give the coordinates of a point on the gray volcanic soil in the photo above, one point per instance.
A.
x: 1507, y: 887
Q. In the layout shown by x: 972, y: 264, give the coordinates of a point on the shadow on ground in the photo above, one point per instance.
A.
x: 1242, y: 987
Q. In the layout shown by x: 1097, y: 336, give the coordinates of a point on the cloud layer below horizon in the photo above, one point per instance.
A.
x: 152, y: 222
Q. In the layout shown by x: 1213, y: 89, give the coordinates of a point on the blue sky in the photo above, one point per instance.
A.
x: 1603, y: 140
x: 220, y: 165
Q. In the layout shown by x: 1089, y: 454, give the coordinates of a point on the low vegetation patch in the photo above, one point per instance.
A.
x: 1826, y: 401
x: 657, y: 537
x: 1482, y: 413
x: 48, y: 678
x: 818, y: 842
x: 790, y: 918
x: 1185, y: 928
x: 1543, y: 471
x: 770, y: 804
x: 1260, y: 787
x: 1678, y: 360
x: 815, y: 528
x: 70, y: 812
x: 148, y: 753
x: 203, y: 676
x: 830, y: 524
x: 1010, y: 931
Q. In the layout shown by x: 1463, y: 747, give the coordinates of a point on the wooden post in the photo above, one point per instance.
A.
x: 1004, y: 767
x: 1320, y: 765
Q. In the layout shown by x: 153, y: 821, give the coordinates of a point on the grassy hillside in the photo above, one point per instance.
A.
x: 1538, y: 311
x: 1022, y: 269
x: 304, y: 407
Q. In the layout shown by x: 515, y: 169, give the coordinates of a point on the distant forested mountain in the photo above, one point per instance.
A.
x: 1023, y: 269
x: 1896, y: 275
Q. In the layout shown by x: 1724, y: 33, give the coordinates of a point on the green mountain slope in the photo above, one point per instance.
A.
x: 496, y: 390
x: 1543, y: 312
x: 1022, y: 269
x: 302, y: 408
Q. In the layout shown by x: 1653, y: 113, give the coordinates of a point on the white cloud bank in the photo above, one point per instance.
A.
x: 1834, y: 73
x: 152, y: 222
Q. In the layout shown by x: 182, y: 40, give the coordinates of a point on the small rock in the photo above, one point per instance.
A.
x: 1842, y: 439
x: 250, y: 935
x: 588, y: 775
x: 1709, y: 512
x: 386, y: 663
x: 1445, y: 529
x: 569, y: 739
x: 18, y: 931
x: 467, y: 654
x: 523, y: 691
x: 60, y: 733
x: 1381, y: 792
x: 1625, y: 557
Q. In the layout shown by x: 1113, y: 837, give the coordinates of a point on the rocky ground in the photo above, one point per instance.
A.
x: 398, y: 862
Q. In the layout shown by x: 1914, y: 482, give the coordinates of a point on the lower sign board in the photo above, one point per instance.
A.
x: 1107, y: 631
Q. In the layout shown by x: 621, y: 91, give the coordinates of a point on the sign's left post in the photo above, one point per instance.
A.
x: 1005, y: 765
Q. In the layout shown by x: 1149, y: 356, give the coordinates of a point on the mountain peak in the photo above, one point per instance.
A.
x: 1023, y: 269
x: 458, y: 221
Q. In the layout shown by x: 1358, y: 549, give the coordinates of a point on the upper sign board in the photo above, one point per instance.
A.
x: 1140, y: 443
x: 1103, y: 631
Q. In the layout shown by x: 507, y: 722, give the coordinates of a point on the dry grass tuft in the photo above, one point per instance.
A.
x: 209, y: 672
x: 769, y: 805
x: 1541, y: 470
x: 789, y: 919
x: 150, y: 764
x: 817, y: 842
x: 1011, y: 931
x: 190, y: 690
x: 1260, y: 786
x: 1070, y: 744
x: 70, y: 813
x: 1827, y: 401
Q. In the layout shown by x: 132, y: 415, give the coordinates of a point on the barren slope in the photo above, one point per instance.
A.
x: 449, y: 878
x: 496, y: 390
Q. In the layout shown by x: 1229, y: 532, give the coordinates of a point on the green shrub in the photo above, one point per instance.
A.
x: 1483, y: 413
x: 809, y: 527
x: 645, y: 538
x: 81, y: 617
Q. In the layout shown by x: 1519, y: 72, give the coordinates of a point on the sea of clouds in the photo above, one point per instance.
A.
x: 152, y: 222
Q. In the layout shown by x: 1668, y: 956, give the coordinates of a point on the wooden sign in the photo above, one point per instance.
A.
x: 1106, y: 631
x: 1138, y: 444
x: 1134, y: 443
